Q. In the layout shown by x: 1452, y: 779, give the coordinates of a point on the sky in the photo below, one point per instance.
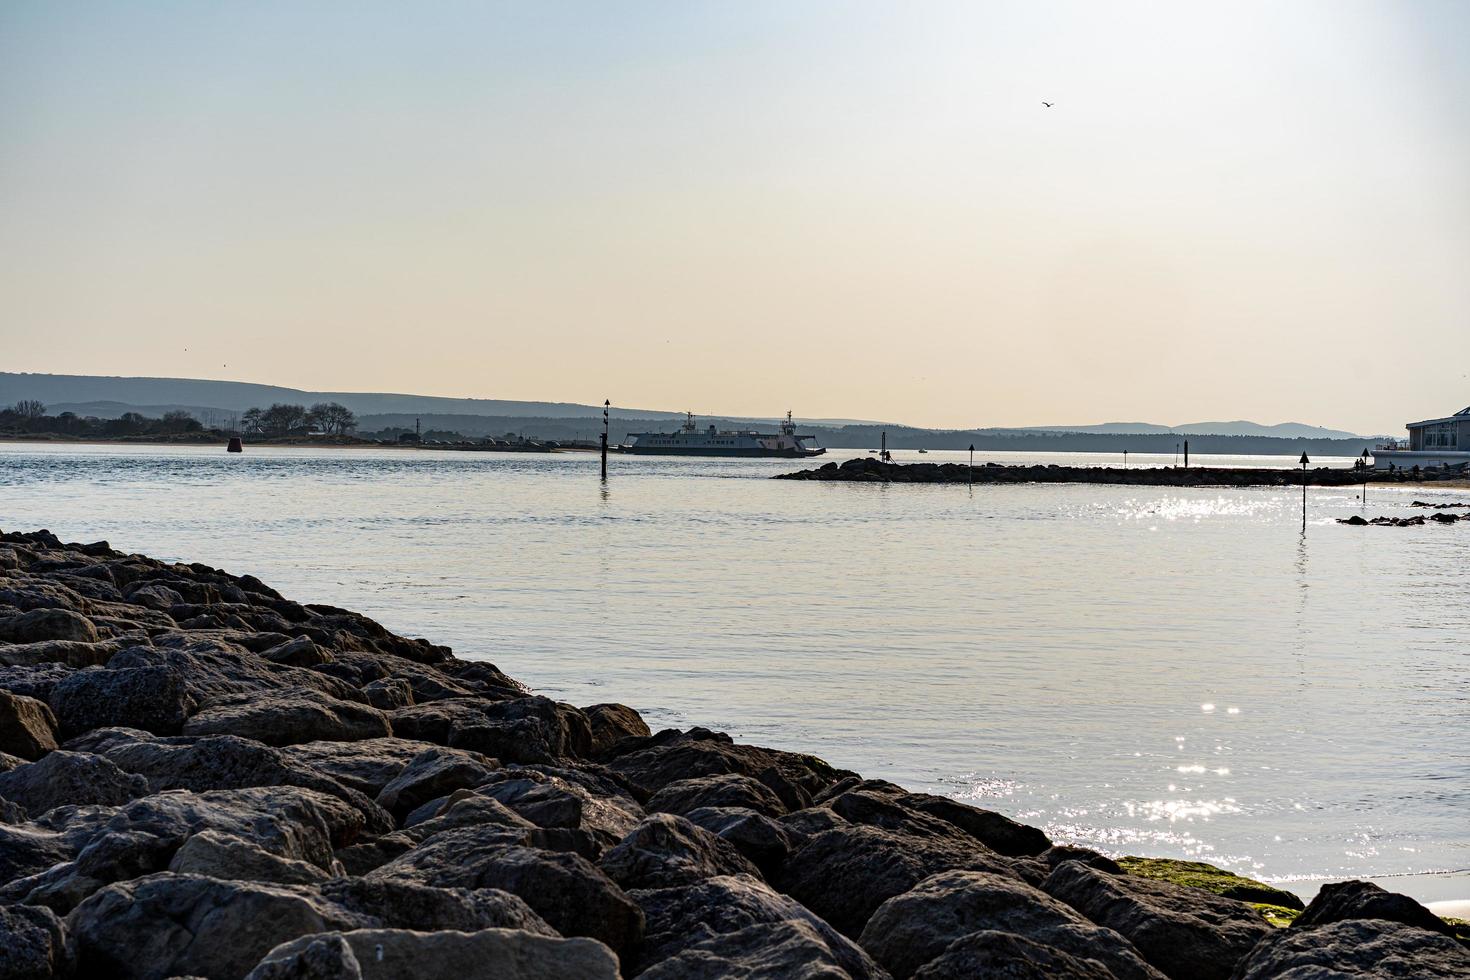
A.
x: 854, y: 210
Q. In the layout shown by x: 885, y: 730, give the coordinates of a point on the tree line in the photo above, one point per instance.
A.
x: 29, y: 416
x: 281, y: 419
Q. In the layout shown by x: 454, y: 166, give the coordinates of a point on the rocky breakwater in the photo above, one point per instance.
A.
x: 867, y: 469
x: 202, y: 778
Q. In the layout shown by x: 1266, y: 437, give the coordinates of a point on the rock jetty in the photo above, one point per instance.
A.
x: 867, y: 469
x: 202, y: 778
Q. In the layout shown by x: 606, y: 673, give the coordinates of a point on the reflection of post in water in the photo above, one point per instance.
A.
x: 1303, y: 591
x: 606, y: 404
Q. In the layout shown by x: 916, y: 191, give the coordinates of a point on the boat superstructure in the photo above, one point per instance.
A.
x: 690, y: 440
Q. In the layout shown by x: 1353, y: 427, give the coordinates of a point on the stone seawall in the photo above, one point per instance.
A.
x: 200, y: 777
x: 872, y: 470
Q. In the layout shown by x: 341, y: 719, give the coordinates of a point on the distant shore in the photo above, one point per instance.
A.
x: 870, y: 470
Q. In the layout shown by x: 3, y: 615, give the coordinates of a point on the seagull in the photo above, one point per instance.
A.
x: 1048, y: 104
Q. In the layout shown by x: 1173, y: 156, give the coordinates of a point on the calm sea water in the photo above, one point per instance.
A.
x: 1151, y: 671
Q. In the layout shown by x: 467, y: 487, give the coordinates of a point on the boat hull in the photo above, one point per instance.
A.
x: 743, y: 452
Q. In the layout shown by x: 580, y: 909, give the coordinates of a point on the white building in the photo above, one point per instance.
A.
x: 1431, y: 443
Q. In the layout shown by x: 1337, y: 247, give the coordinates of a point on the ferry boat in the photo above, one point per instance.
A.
x: 689, y: 440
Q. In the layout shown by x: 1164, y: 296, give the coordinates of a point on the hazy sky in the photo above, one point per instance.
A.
x: 850, y: 209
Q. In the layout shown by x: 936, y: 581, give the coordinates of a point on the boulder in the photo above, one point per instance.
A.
x: 288, y: 717
x: 33, y: 944
x: 678, y: 918
x: 28, y: 849
x: 611, y: 723
x: 553, y: 801
x: 154, y: 699
x: 1198, y: 874
x: 769, y: 951
x: 566, y: 890
x: 1376, y: 948
x: 1185, y: 932
x: 666, y: 850
x: 653, y: 763
x: 47, y: 624
x: 521, y: 729
x: 143, y: 836
x: 320, y: 956
x: 217, y: 855
x: 65, y: 777
x: 300, y: 652
x: 1058, y: 853
x: 463, y: 808
x: 917, y: 926
x: 71, y: 653
x: 406, y: 905
x: 214, y: 762
x: 884, y: 805
x: 27, y: 726
x: 164, y: 925
x: 845, y: 873
x: 367, y: 765
x: 1340, y: 901
x: 764, y: 841
x: 996, y: 831
x: 388, y: 693
x: 398, y: 954
x: 359, y: 859
x: 727, y: 790
x: 1013, y: 957
x: 432, y: 773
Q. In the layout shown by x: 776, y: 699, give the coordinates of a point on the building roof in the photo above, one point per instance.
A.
x: 1458, y: 416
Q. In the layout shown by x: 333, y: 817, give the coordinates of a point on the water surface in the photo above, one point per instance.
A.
x: 1143, y: 670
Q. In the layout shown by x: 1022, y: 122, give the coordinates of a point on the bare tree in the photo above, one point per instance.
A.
x: 29, y: 408
x: 332, y: 418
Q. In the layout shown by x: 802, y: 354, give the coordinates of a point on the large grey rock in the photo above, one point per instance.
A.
x: 300, y: 652
x: 27, y: 726
x: 553, y: 801
x: 407, y: 905
x: 1339, y: 901
x: 1187, y: 933
x: 886, y: 806
x: 845, y: 873
x: 216, y: 855
x: 153, y: 698
x: 653, y: 763
x: 433, y: 772
x: 764, y: 841
x: 666, y: 850
x: 388, y: 693
x: 1009, y: 956
x: 165, y: 925
x: 47, y: 624
x: 769, y: 951
x: 143, y: 836
x: 211, y: 762
x: 28, y: 849
x: 1376, y: 948
x: 917, y: 926
x: 678, y: 918
x: 64, y: 777
x: 395, y: 954
x: 566, y: 890
x: 463, y: 808
x: 367, y: 765
x: 726, y: 790
x: 320, y: 956
x: 611, y: 723
x: 33, y: 944
x: 71, y: 653
x: 288, y: 717
x: 521, y: 729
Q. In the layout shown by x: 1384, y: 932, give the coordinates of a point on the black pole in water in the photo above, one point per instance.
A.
x: 972, y: 464
x: 1365, y: 479
x: 1186, y: 454
x: 1305, y: 461
x: 606, y: 404
x: 1125, y: 459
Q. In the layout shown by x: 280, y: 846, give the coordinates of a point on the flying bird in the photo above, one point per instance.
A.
x: 1048, y: 104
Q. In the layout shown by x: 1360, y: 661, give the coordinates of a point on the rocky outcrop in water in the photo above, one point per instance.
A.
x: 867, y: 469
x: 199, y: 777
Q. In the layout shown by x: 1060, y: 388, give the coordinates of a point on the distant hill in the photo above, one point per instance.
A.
x: 109, y: 397
x: 1281, y: 430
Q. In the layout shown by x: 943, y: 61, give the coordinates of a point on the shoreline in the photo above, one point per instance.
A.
x: 181, y: 738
